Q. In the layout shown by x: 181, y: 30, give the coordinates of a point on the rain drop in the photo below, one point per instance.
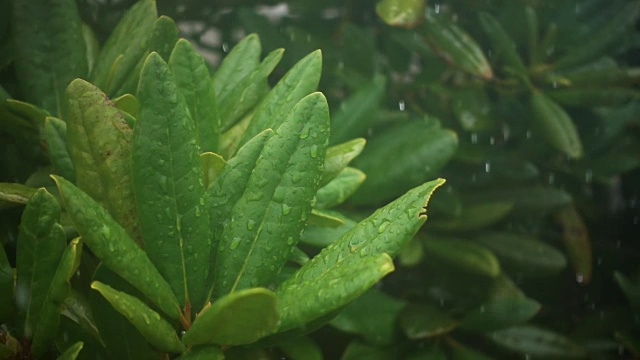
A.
x: 286, y: 209
x: 251, y: 224
x: 383, y: 227
x: 314, y: 151
x: 234, y: 243
x: 305, y: 133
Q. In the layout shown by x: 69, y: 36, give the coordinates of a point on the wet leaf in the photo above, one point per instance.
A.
x: 239, y: 63
x: 504, y: 48
x: 267, y: 220
x: 359, y: 351
x: 193, y: 81
x: 421, y: 155
x: 538, y: 342
x: 302, y: 300
x: 356, y: 318
x: 212, y: 165
x: 110, y: 243
x: 55, y: 134
x: 321, y: 218
x: 168, y: 183
x: 239, y: 318
x: 555, y: 125
x: 320, y: 237
x: 302, y: 348
x: 205, y: 352
x: 596, y: 96
x: 464, y: 255
x: 99, y: 144
x: 91, y: 44
x: 357, y: 112
x: 12, y: 194
x: 455, y: 46
x: 128, y: 103
x: 340, y: 188
x: 523, y: 254
x: 155, y: 329
x: 124, y: 47
x: 77, y: 308
x: 41, y: 243
x: 506, y: 306
x: 43, y: 70
x: 301, y: 80
x: 406, y: 14
x: 422, y: 321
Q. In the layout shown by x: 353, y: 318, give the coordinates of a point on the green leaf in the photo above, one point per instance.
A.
x: 55, y: 134
x: 356, y: 318
x: 472, y: 108
x: 556, y: 126
x: 298, y: 257
x: 357, y: 112
x: 538, y: 342
x: 455, y: 46
x: 203, y: 353
x: 239, y: 63
x: 433, y: 352
x: 297, y: 83
x: 504, y: 48
x: 245, y: 95
x: 72, y: 351
x: 193, y: 81
x: 464, y: 255
x: 320, y: 236
x: 321, y: 218
x: 128, y: 103
x: 12, y: 194
x: 523, y: 254
x: 400, y: 13
x: 340, y: 188
x: 339, y: 156
x: 163, y: 39
x: 111, y: 244
x: 212, y: 165
x: 44, y: 70
x: 119, y: 337
x: 228, y: 188
x: 412, y: 253
x: 422, y: 321
x: 630, y: 289
x: 239, y: 318
x: 91, y: 44
x: 506, y: 306
x: 359, y: 351
x: 44, y: 331
x: 168, y: 183
x: 99, y: 143
x: 302, y: 299
x: 302, y: 348
x: 6, y: 287
x: 267, y: 220
x: 460, y: 352
x: 41, y: 243
x: 597, y: 96
x: 475, y: 216
x: 155, y: 329
x: 125, y: 46
x: 77, y: 308
x: 599, y: 41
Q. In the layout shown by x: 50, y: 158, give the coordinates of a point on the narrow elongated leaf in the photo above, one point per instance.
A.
x: 12, y: 194
x: 168, y: 182
x: 44, y: 70
x: 537, y: 342
x: 422, y: 321
x: 41, y: 242
x: 248, y: 92
x: 267, y: 220
x: 340, y: 188
x: 321, y: 218
x: 111, y: 244
x: 99, y: 143
x: 241, y: 61
x: 163, y: 39
x: 475, y: 217
x: 503, y: 46
x: 72, y: 351
x: 405, y: 14
x: 300, y: 81
x: 522, y: 254
x: 55, y: 134
x: 455, y: 46
x: 302, y: 300
x: 77, y: 308
x: 463, y: 255
x: 339, y: 156
x: 6, y: 287
x: 125, y: 46
x: 193, y: 81
x: 235, y: 319
x: 356, y: 317
x: 357, y: 112
x: 393, y: 167
x: 631, y: 290
x: 506, y: 306
x: 556, y: 126
x: 155, y: 329
x: 45, y: 329
x: 91, y: 44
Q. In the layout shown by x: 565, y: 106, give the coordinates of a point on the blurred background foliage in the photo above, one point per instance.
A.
x: 531, y: 111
